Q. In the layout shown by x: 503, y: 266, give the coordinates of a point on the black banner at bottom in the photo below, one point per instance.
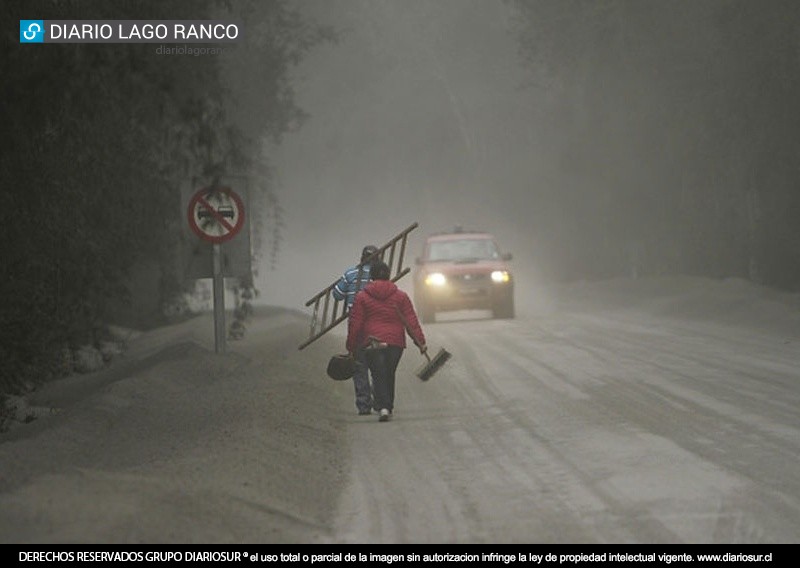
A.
x: 394, y: 555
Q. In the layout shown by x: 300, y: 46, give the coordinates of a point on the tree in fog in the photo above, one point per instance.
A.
x: 676, y: 125
x: 99, y: 138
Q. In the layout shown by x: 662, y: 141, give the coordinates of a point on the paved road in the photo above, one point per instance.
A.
x: 586, y: 427
x: 580, y: 425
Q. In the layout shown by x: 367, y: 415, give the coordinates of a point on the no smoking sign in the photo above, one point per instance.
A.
x: 216, y: 215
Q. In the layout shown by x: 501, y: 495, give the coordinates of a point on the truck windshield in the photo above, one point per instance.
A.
x: 466, y: 249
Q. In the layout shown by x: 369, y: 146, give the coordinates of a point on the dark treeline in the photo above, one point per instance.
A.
x: 676, y: 123
x: 98, y: 140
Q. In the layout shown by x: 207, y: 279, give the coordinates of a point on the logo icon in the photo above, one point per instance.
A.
x: 31, y: 31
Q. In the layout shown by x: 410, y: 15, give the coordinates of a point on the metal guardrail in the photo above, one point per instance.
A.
x: 326, y: 316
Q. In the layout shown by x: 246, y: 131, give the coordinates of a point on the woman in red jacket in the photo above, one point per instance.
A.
x: 379, y: 319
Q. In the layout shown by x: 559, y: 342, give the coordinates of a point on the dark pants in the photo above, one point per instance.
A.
x: 383, y: 364
x: 361, y: 383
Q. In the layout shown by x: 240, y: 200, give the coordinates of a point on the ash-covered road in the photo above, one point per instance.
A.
x: 630, y: 413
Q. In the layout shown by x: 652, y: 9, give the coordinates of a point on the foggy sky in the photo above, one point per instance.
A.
x: 417, y: 115
x: 587, y: 136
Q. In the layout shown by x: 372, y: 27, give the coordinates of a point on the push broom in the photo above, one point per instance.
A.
x: 434, y: 363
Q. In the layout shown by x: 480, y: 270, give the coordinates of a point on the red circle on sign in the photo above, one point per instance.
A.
x: 199, y: 206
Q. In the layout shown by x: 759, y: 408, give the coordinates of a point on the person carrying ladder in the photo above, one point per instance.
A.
x: 351, y: 282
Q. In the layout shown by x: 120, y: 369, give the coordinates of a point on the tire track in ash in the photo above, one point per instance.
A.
x: 531, y: 463
x: 712, y: 431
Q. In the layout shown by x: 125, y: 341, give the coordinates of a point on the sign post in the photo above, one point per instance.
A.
x: 216, y: 215
x: 219, y: 300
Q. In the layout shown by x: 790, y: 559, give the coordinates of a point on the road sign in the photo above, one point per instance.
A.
x: 196, y: 253
x: 216, y: 215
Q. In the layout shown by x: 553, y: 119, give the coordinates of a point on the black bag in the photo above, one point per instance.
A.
x: 341, y: 367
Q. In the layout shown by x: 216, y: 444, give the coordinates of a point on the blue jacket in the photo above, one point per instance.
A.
x: 349, y: 284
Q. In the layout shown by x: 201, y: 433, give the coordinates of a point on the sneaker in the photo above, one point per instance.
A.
x: 385, y: 415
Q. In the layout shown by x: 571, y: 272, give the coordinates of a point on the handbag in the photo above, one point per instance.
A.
x: 341, y: 367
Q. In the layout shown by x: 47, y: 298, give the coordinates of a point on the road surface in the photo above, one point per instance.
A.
x: 661, y: 414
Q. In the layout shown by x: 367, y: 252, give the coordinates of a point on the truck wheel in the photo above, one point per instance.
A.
x: 426, y: 313
x: 504, y: 308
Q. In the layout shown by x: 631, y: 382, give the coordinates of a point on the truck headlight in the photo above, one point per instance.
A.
x: 435, y: 279
x: 500, y: 276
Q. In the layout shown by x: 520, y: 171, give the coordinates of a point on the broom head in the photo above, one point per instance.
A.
x: 436, y: 362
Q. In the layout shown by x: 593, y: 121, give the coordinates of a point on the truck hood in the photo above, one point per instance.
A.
x: 477, y: 266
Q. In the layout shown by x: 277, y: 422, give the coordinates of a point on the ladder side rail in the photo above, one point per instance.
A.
x: 323, y: 331
x: 404, y: 237
x: 313, y: 326
x: 335, y: 309
x: 324, y: 291
x: 407, y: 231
x: 325, y: 310
x: 401, y: 274
x: 402, y: 253
x: 391, y: 256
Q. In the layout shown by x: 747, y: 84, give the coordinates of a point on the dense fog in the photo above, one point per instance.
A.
x: 416, y: 115
x: 595, y: 139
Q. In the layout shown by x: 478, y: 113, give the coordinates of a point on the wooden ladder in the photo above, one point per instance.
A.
x: 326, y: 316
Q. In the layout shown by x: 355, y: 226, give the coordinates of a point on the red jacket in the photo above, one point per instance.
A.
x: 374, y: 313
